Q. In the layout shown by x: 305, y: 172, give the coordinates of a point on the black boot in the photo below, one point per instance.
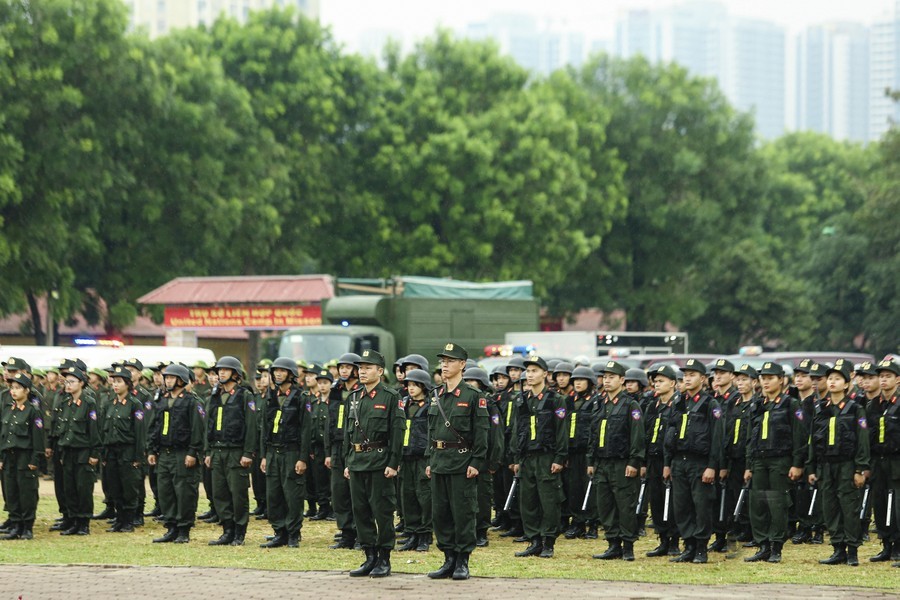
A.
x: 227, y: 535
x: 184, y: 535
x: 690, y: 549
x: 574, y: 531
x: 126, y: 521
x: 294, y: 540
x: 367, y: 566
x: 533, y: 549
x: 461, y: 571
x: 721, y: 543
x: 592, y: 533
x: 7, y: 526
x: 27, y: 530
x: 346, y: 541
x: 324, y: 510
x: 169, y: 536
x: 213, y: 519
x: 116, y: 527
x: 803, y: 535
x: 14, y: 531
x: 514, y: 531
x: 662, y: 549
x: 108, y: 513
x: 764, y: 552
x: 839, y: 556
x: 446, y: 569
x: 424, y: 542
x: 74, y: 526
x: 775, y: 557
x: 207, y: 515
x: 481, y: 538
x: 614, y: 551
x: 852, y: 556
x: 628, y: 551
x: 674, y: 550
x: 280, y: 539
x: 155, y: 512
x: 818, y: 537
x: 240, y: 532
x: 383, y: 564
x: 700, y: 556
x: 62, y: 525
x: 885, y: 554
x: 547, y: 551
x: 410, y: 544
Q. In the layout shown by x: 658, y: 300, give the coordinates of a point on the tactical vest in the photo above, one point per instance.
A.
x: 885, y: 430
x: 656, y: 422
x: 580, y: 417
x: 175, y: 422
x: 284, y: 422
x: 772, y: 436
x: 691, y: 426
x: 415, y: 439
x: 337, y: 412
x: 227, y: 423
x: 834, y: 435
x: 534, y: 421
x: 613, y: 430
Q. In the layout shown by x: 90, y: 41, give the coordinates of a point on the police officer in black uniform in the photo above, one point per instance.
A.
x: 581, y: 407
x: 883, y: 417
x: 656, y: 420
x: 348, y: 382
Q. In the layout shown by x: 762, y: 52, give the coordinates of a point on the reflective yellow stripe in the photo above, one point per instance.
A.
x: 219, y: 419
x: 683, y: 426
x: 533, y: 427
x: 340, y: 423
x: 602, y: 433
x: 656, y: 430
x: 509, y: 410
x: 881, y: 431
x: 406, y: 434
x: 572, y: 425
x: 831, y: 423
x: 765, y: 426
x: 737, y: 430
x: 277, y: 419
x: 165, y: 423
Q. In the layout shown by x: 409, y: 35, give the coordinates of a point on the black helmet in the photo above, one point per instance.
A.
x: 421, y: 377
x: 516, y: 362
x: 584, y: 373
x: 230, y: 362
x: 415, y: 359
x: 499, y: 370
x: 179, y: 371
x: 348, y: 358
x: 470, y: 364
x: 638, y: 375
x: 288, y: 364
x: 551, y: 364
x: 477, y: 374
x: 563, y: 367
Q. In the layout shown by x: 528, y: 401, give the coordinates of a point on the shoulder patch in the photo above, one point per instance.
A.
x: 863, y: 424
x: 200, y: 410
x: 139, y: 415
x: 717, y: 412
x: 93, y: 415
x: 308, y: 407
x: 495, y: 419
x: 148, y: 405
x: 561, y: 412
x: 799, y: 414
x: 252, y: 405
x: 39, y: 423
x: 482, y: 403
x: 636, y: 414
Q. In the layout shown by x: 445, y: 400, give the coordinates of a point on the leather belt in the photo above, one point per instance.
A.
x: 440, y: 445
x: 369, y: 446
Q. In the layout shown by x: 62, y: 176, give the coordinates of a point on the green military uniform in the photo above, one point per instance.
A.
x: 232, y: 434
x: 839, y: 449
x: 21, y: 447
x: 778, y: 442
x: 334, y: 441
x: 124, y: 447
x: 693, y: 445
x: 656, y: 421
x: 542, y: 440
x: 618, y: 443
x: 321, y: 484
x: 485, y: 478
x: 580, y: 407
x: 415, y: 487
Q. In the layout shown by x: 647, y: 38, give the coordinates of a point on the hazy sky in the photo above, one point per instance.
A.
x: 418, y: 18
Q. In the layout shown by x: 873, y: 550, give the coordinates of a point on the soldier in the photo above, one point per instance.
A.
x: 656, y: 421
x: 515, y: 372
x: 319, y: 413
x: 21, y: 448
x: 725, y: 394
x: 581, y: 409
x: 838, y: 460
x: 737, y: 432
x: 503, y: 477
x: 693, y: 455
x: 415, y: 488
x: 176, y: 446
x: 348, y: 383
x: 542, y: 446
x: 478, y: 378
x: 617, y: 455
x: 810, y: 526
x: 776, y: 455
x: 124, y: 445
x: 286, y: 442
x: 883, y: 417
x: 257, y: 477
x: 373, y: 440
x: 202, y: 386
x: 79, y: 443
x: 232, y: 436
x: 458, y: 430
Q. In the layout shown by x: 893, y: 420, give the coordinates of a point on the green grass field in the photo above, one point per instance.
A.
x: 572, y: 560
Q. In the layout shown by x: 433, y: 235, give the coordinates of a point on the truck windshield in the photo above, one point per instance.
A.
x: 318, y: 348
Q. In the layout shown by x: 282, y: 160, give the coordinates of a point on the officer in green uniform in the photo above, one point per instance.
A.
x: 257, y: 477
x: 458, y: 430
x: 657, y: 421
x: 124, y: 446
x: 348, y: 383
x: 838, y: 460
x: 776, y: 455
x: 478, y: 378
x: 176, y: 446
x: 79, y: 443
x: 809, y: 526
x: 21, y: 448
x: 693, y: 456
x: 726, y: 394
x: 542, y: 445
x: 373, y: 441
x: 202, y: 387
x: 617, y: 455
x: 737, y: 431
x: 883, y: 418
x: 415, y: 487
x: 512, y: 525
x: 232, y: 437
x: 287, y: 435
x: 319, y: 472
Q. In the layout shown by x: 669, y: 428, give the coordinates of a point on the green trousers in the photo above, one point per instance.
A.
x: 455, y: 508
x: 178, y: 487
x: 770, y: 499
x: 841, y: 502
x: 230, y: 484
x: 21, y: 485
x: 340, y: 491
x: 374, y: 498
x: 693, y: 500
x: 415, y: 495
x: 617, y: 500
x: 78, y: 482
x: 285, y: 489
x: 540, y: 496
x: 124, y: 480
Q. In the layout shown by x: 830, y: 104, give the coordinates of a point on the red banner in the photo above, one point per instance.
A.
x: 243, y: 317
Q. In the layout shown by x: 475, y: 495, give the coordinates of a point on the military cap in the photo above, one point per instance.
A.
x: 888, y: 365
x: 818, y: 370
x: 723, y: 364
x: 421, y: 377
x: 133, y: 362
x: 38, y: 372
x: 563, y: 367
x: 771, y: 368
x: 584, y: 373
x: 53, y: 370
x: 452, y: 350
x: 693, y: 364
x: 324, y: 373
x: 75, y: 372
x: 866, y: 368
x: 21, y: 379
x: 101, y: 373
x: 200, y: 364
x: 17, y: 364
x: 613, y: 367
x: 747, y: 370
x: 805, y: 366
x: 667, y: 371
x: 312, y: 368
x: 538, y: 362
x: 119, y: 371
x: 841, y: 366
x: 371, y: 357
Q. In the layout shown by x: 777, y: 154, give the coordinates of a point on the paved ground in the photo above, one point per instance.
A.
x: 76, y: 582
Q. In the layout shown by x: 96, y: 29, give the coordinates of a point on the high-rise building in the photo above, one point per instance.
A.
x: 884, y: 73
x: 158, y: 17
x: 833, y: 80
